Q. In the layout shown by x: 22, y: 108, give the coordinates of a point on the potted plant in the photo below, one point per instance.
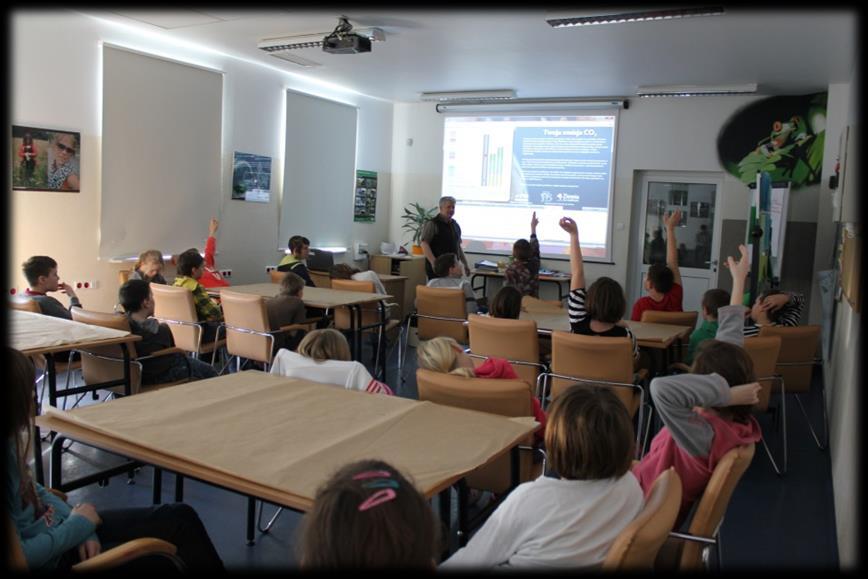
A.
x: 415, y: 216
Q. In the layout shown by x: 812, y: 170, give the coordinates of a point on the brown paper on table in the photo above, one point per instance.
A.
x: 291, y: 435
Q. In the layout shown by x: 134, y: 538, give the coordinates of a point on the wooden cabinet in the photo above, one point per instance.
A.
x: 412, y: 267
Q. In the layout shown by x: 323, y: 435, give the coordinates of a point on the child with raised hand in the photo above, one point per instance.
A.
x: 444, y: 355
x: 663, y: 282
x: 523, y: 272
x: 569, y: 521
x: 707, y: 412
x: 324, y: 356
x: 599, y: 310
x: 55, y: 535
x: 369, y: 516
x: 149, y: 267
x: 210, y: 276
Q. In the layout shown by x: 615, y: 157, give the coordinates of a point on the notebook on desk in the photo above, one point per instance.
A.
x: 486, y: 264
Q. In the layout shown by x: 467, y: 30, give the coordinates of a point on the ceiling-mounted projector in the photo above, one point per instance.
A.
x: 343, y: 40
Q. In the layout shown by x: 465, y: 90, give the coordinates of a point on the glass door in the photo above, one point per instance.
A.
x: 697, y: 236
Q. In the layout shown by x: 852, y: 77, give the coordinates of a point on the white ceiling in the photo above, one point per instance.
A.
x: 784, y: 51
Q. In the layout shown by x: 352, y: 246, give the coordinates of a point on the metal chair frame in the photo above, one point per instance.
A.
x: 813, y: 362
x: 410, y: 318
x: 269, y: 335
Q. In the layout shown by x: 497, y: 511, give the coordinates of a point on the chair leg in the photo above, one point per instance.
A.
x: 647, y: 431
x: 771, y: 458
x: 270, y: 523
x: 810, y: 426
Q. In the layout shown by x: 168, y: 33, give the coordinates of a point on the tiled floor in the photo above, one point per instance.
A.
x: 772, y: 522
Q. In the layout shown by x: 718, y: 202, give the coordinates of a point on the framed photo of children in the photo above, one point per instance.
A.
x: 251, y: 177
x: 45, y: 160
x: 365, y: 204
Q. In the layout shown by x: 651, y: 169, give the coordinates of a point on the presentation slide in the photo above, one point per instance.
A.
x: 503, y: 168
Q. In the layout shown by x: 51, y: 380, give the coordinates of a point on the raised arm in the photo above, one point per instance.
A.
x: 730, y: 319
x: 576, y: 266
x: 671, y: 221
x: 533, y: 263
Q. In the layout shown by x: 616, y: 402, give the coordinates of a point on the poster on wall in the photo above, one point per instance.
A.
x: 365, y: 204
x: 782, y: 136
x: 251, y: 178
x: 45, y: 160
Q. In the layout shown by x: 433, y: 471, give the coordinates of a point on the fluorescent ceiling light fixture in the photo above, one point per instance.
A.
x: 637, y: 15
x: 467, y: 95
x: 331, y: 249
x: 520, y: 105
x: 686, y: 90
x: 313, y: 40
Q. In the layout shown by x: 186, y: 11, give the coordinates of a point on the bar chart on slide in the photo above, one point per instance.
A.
x: 492, y: 164
x: 480, y: 167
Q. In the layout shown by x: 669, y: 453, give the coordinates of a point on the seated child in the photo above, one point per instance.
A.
x: 663, y: 282
x: 149, y: 267
x: 211, y: 277
x: 449, y: 273
x: 599, y: 311
x: 344, y: 271
x: 571, y: 519
x: 712, y: 300
x: 707, y: 412
x: 138, y: 302
x: 287, y: 308
x: 506, y: 303
x: 299, y: 247
x: 369, y: 516
x: 41, y: 274
x: 55, y: 535
x: 774, y: 308
x: 523, y: 272
x: 446, y: 356
x: 191, y: 265
x: 324, y: 356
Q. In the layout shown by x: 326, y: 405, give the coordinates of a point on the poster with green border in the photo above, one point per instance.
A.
x: 365, y: 203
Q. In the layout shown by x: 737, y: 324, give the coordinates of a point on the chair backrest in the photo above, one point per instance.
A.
x: 25, y: 304
x: 502, y: 397
x: 124, y: 276
x: 320, y: 278
x: 798, y: 346
x: 764, y: 354
x: 442, y: 302
x: 176, y: 303
x: 532, y: 304
x: 636, y: 547
x: 95, y: 370
x: 510, y: 339
x: 712, y: 506
x: 594, y: 358
x: 276, y: 276
x: 246, y: 311
x: 370, y: 312
x: 671, y: 318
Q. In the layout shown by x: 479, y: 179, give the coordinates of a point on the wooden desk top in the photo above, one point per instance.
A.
x: 558, y: 277
x: 647, y: 334
x: 278, y: 438
x: 33, y: 334
x: 316, y: 297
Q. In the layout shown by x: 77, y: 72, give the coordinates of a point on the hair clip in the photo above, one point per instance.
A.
x: 378, y: 498
x: 373, y: 474
x: 381, y: 483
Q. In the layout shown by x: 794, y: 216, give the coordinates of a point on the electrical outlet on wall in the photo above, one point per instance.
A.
x: 270, y: 268
x: 226, y: 272
x: 84, y: 284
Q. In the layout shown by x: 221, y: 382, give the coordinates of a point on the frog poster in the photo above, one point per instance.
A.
x: 782, y: 135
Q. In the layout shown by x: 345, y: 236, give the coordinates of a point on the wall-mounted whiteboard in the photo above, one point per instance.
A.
x: 161, y: 154
x: 319, y: 171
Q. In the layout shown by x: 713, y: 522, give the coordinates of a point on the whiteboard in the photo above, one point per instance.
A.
x: 319, y: 171
x: 161, y: 154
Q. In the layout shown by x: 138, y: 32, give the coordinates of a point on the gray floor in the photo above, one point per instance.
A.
x: 772, y: 522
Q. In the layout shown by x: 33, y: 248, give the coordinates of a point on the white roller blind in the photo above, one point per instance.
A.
x: 161, y: 154
x: 319, y: 174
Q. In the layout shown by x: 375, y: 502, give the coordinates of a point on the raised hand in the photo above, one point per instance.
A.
x: 568, y: 225
x: 739, y: 269
x: 672, y: 219
x: 212, y: 227
x: 533, y: 223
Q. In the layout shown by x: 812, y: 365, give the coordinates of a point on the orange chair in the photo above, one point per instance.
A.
x: 515, y: 340
x: 124, y: 276
x: 636, y: 547
x: 276, y: 276
x: 764, y: 353
x: 532, y: 304
x: 439, y: 312
x: 795, y: 365
x: 703, y: 532
x: 174, y: 306
x: 686, y: 319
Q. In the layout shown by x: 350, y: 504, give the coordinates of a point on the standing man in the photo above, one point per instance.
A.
x: 442, y: 234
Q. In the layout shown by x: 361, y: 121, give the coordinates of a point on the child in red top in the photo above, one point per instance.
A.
x: 663, y: 282
x: 211, y: 277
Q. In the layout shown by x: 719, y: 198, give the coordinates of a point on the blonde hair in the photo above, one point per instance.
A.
x: 440, y: 355
x: 151, y: 255
x: 325, y: 344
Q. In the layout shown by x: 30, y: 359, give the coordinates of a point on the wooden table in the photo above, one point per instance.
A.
x: 327, y: 299
x: 37, y: 334
x: 560, y: 280
x: 278, y: 439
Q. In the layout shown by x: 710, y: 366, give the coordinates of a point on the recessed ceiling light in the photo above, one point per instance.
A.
x: 634, y: 16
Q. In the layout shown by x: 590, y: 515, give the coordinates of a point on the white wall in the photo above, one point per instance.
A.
x: 56, y: 84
